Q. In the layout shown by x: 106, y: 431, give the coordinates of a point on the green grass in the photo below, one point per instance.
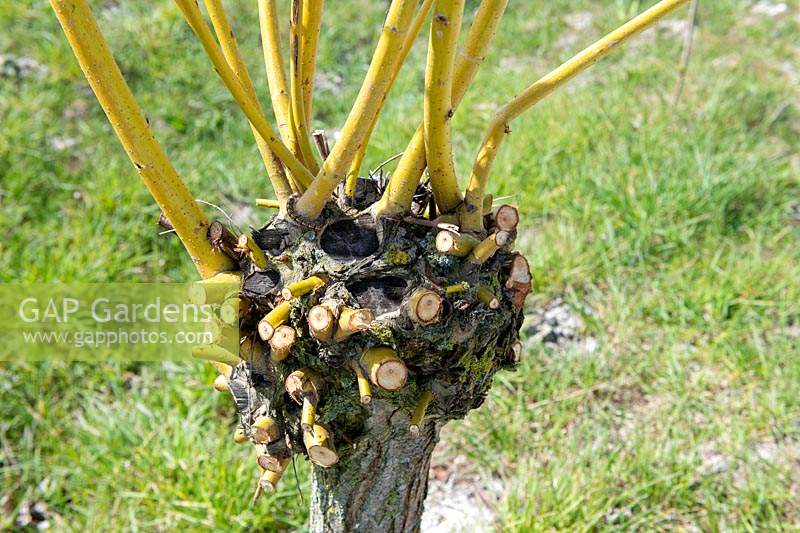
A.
x: 676, y: 226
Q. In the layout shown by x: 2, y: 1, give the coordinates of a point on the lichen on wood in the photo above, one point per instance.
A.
x: 450, y: 352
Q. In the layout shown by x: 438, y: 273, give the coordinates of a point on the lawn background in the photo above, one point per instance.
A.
x: 673, y: 230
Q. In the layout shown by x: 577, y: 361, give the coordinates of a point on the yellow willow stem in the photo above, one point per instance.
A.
x: 268, y: 202
x: 302, y: 287
x: 364, y: 388
x: 273, y: 61
x: 413, y: 33
x: 457, y: 288
x: 438, y: 110
x: 230, y: 49
x: 130, y: 125
x: 419, y: 412
x: 367, y: 105
x: 472, y: 211
x: 194, y: 18
x: 302, y: 149
x: 480, y: 36
x: 411, y: 166
x: 351, y: 182
x: 311, y: 18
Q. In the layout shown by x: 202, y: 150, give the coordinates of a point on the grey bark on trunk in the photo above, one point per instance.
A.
x: 381, y: 484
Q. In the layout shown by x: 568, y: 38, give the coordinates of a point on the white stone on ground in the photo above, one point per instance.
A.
x: 770, y: 9
x: 459, y: 500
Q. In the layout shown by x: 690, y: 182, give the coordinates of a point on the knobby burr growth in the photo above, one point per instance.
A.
x: 369, y: 313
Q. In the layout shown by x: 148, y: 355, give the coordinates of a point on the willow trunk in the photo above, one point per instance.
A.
x: 381, y: 484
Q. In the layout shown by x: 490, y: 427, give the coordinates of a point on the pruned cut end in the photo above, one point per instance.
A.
x: 452, y: 243
x: 319, y: 445
x: 360, y: 320
x: 270, y: 478
x: 294, y: 386
x: 221, y: 384
x: 281, y: 342
x: 222, y: 239
x: 247, y: 245
x: 265, y: 330
x: 265, y: 430
x: 320, y: 317
x: 269, y: 462
x: 501, y: 238
x: 519, y: 272
x: 303, y: 383
x: 321, y: 322
x: 487, y: 298
x: 519, y: 281
x: 424, y: 307
x: 322, y: 456
x: 516, y: 352
x: 302, y: 287
x: 283, y: 338
x: 445, y: 241
x: 428, y: 307
x: 364, y: 389
x: 230, y: 311
x: 352, y: 321
x: 273, y: 319
x: 487, y: 248
x: 506, y: 217
x: 386, y: 369
x: 239, y: 436
x: 419, y: 412
x: 196, y: 294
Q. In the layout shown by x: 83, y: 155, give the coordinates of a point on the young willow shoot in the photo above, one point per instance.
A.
x: 369, y: 312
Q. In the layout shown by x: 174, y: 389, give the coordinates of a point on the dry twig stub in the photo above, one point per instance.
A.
x: 505, y: 218
x: 221, y: 384
x: 386, y: 370
x: 321, y: 322
x: 319, y: 445
x: 424, y: 307
x: 281, y: 342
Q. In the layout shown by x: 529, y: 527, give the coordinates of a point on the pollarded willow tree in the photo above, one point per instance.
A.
x: 369, y: 312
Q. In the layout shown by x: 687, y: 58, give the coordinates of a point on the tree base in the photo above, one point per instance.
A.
x: 383, y: 482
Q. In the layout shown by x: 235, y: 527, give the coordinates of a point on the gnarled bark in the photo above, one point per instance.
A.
x: 380, y: 354
x: 381, y: 484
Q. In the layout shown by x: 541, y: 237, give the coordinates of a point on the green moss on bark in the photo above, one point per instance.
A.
x: 378, y: 266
